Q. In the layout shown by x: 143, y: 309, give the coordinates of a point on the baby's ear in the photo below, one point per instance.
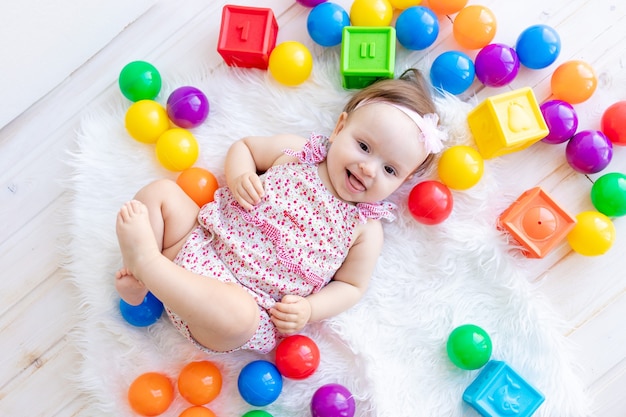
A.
x: 341, y: 123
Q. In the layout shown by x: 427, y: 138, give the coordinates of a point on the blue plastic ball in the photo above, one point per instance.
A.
x: 260, y: 383
x: 144, y: 314
x: 417, y: 28
x: 326, y: 22
x: 538, y: 46
x: 452, y: 71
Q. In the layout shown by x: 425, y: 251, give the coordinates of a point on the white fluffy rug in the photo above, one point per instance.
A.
x: 389, y: 350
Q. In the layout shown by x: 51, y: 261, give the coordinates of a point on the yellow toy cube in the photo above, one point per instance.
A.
x: 507, y: 123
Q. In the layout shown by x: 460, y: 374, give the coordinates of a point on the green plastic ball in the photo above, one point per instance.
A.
x: 608, y: 194
x: 257, y: 413
x: 140, y: 80
x: 469, y: 347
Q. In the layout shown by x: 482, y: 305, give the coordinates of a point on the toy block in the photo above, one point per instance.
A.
x: 536, y: 222
x: 507, y: 123
x: 247, y: 36
x: 500, y: 391
x: 367, y: 54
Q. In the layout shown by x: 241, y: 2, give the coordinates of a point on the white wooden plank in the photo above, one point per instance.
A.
x: 609, y: 397
x: 41, y: 31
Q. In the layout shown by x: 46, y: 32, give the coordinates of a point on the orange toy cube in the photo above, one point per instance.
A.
x: 507, y: 123
x: 536, y: 222
x: 247, y: 36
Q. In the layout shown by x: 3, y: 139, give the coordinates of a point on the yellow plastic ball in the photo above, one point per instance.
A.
x: 146, y: 120
x: 404, y: 4
x: 290, y: 63
x: 593, y: 234
x: 460, y: 167
x: 177, y: 149
x: 371, y: 13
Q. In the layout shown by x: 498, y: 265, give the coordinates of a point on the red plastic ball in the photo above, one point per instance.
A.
x: 430, y: 202
x: 297, y: 357
x: 614, y: 123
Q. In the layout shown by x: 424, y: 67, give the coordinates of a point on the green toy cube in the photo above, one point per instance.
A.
x: 367, y: 54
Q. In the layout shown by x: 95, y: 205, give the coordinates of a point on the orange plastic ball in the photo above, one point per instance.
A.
x: 446, y: 6
x: 573, y: 81
x: 199, y: 184
x: 146, y: 120
x: 474, y: 27
x: 371, y: 13
x: 177, y: 149
x: 197, y: 411
x: 200, y: 382
x: 151, y: 394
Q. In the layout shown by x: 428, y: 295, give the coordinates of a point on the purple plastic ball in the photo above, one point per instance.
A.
x: 496, y: 65
x: 332, y: 400
x: 310, y: 3
x: 561, y: 119
x: 589, y: 151
x: 187, y: 107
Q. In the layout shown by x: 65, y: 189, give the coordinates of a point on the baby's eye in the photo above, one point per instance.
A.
x: 364, y: 146
x: 390, y: 170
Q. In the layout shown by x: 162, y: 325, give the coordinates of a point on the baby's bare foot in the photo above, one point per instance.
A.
x: 135, y: 237
x: 130, y: 288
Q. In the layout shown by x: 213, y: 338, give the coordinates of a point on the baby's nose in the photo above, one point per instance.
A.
x: 367, y: 169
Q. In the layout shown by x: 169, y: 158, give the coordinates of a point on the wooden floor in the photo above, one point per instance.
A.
x: 36, y: 300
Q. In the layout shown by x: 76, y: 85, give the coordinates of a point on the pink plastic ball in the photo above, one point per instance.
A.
x: 187, y: 107
x: 589, y: 151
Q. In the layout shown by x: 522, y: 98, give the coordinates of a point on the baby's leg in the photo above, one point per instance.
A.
x: 221, y: 316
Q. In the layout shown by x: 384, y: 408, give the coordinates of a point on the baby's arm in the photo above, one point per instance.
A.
x: 345, y: 290
x: 251, y: 155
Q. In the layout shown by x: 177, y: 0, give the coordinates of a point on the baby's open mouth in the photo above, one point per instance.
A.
x: 355, y: 182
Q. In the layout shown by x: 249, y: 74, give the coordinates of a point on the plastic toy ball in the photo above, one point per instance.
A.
x: 177, y: 149
x: 144, y: 314
x: 589, y: 151
x: 593, y: 234
x: 325, y: 24
x: 430, y: 202
x: 290, y: 63
x: 150, y: 394
x: 417, y: 28
x: 496, y: 65
x: 260, y: 383
x: 608, y: 194
x: 538, y: 46
x: 442, y: 7
x: 469, y: 347
x: 332, y: 400
x: 197, y: 411
x: 371, y: 13
x: 140, y: 80
x: 614, y: 123
x: 297, y: 357
x: 310, y: 3
x: 187, y: 107
x: 452, y: 71
x: 474, y: 27
x: 404, y: 4
x: 573, y: 81
x: 561, y: 119
x: 460, y: 167
x: 199, y: 184
x: 257, y: 413
x: 146, y: 120
x: 200, y: 382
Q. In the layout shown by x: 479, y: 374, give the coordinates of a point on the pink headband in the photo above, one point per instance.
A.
x: 432, y: 136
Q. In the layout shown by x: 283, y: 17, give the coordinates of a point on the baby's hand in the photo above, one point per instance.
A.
x: 291, y: 314
x: 247, y: 190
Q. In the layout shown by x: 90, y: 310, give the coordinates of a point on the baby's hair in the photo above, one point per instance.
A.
x: 410, y: 90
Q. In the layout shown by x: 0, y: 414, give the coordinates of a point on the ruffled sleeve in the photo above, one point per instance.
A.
x: 376, y: 211
x: 313, y: 152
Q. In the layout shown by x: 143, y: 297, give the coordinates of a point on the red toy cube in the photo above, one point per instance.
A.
x: 247, y: 36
